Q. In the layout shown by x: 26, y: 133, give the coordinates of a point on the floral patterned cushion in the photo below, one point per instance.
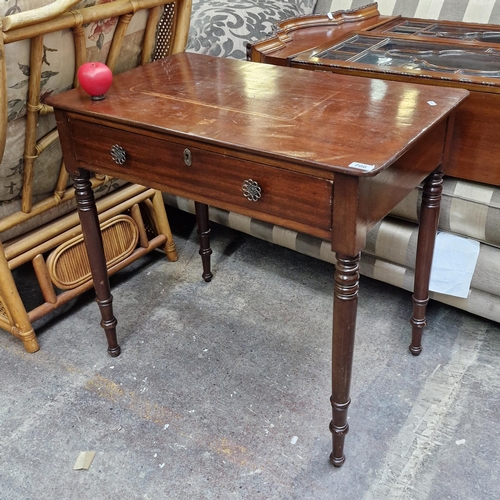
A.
x: 222, y: 28
x: 58, y: 67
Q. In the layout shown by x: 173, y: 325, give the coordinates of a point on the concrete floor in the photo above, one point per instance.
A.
x: 222, y: 390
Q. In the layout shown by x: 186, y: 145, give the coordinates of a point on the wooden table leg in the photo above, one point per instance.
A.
x: 345, y: 304
x: 95, y: 250
x: 204, y: 237
x: 429, y: 218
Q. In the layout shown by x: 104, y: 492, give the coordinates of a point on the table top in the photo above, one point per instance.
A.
x: 333, y: 123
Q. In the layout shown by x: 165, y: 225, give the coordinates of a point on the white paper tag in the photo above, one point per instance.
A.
x: 330, y: 16
x: 84, y: 460
x: 362, y: 166
x: 431, y: 103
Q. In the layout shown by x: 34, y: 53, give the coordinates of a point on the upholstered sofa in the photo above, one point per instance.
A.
x: 469, y: 210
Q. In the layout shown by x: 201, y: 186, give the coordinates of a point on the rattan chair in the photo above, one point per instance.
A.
x: 45, y: 230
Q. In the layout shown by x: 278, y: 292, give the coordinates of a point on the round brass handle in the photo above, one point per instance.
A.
x: 251, y: 190
x: 118, y: 154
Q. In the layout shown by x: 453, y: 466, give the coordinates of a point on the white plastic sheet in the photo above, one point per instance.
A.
x: 453, y: 264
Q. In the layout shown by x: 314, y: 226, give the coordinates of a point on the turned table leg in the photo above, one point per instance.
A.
x: 345, y: 305
x: 429, y: 217
x: 93, y: 241
x: 204, y: 238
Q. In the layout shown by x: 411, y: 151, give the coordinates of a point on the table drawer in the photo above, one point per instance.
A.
x: 216, y: 179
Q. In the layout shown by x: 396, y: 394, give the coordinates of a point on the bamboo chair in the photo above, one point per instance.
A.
x: 133, y: 218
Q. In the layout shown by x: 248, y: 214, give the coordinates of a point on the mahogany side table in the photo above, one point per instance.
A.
x: 328, y: 155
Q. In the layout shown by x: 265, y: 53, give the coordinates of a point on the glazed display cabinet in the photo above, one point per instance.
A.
x: 363, y: 43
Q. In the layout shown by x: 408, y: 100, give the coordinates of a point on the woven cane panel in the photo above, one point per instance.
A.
x: 3, y: 310
x: 165, y: 32
x: 69, y: 265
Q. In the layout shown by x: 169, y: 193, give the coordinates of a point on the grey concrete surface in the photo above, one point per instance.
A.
x: 222, y: 389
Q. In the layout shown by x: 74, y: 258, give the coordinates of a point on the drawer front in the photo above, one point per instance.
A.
x: 217, y: 179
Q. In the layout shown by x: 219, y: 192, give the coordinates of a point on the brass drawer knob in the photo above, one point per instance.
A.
x: 251, y: 190
x: 118, y: 154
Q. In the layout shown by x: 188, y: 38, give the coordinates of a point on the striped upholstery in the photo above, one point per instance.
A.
x: 472, y: 210
x: 467, y: 209
x: 472, y: 11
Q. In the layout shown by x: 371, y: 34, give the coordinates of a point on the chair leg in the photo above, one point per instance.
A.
x: 164, y: 226
x: 21, y: 326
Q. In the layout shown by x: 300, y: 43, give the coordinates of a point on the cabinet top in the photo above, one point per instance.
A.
x: 464, y: 54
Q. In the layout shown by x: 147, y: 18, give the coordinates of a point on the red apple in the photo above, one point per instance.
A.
x: 95, y: 78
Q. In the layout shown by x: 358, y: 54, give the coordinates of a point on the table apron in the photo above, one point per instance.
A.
x: 361, y: 202
x: 284, y: 197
